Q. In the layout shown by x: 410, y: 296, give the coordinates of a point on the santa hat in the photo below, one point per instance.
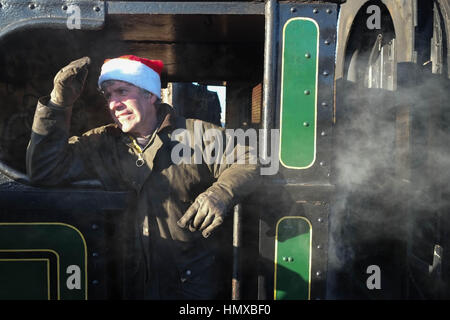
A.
x: 141, y: 72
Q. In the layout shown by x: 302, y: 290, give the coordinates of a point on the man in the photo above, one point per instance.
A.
x: 178, y: 205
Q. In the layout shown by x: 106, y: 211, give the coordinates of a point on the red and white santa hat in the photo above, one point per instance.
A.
x: 141, y: 72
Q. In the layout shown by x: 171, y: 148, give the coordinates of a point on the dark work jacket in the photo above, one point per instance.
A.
x: 163, y: 261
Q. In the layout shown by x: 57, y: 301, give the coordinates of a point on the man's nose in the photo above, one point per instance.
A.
x: 115, y: 104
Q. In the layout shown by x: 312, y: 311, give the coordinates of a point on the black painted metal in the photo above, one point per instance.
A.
x: 18, y: 14
x: 305, y: 192
x: 98, y: 215
x: 184, y: 7
x: 326, y: 17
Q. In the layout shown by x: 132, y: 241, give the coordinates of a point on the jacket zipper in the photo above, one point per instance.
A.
x: 140, y: 161
x: 137, y: 148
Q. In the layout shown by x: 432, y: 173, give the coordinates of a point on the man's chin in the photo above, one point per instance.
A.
x: 125, y: 128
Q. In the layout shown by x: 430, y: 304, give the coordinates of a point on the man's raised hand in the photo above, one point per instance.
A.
x: 69, y: 82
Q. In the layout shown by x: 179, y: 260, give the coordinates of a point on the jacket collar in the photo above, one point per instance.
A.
x: 166, y: 116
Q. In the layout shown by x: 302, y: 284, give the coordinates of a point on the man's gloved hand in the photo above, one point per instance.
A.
x: 205, y: 214
x: 69, y: 82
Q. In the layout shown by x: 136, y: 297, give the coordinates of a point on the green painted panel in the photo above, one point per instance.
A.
x: 292, y: 259
x: 32, y: 274
x: 63, y: 242
x: 298, y: 93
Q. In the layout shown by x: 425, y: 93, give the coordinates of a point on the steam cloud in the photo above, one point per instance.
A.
x: 392, y: 160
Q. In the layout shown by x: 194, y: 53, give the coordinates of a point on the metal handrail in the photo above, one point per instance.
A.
x: 237, y: 234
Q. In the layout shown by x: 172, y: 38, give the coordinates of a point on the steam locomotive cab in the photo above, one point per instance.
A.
x: 345, y: 101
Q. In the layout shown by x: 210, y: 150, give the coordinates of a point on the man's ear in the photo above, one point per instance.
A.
x: 153, y: 98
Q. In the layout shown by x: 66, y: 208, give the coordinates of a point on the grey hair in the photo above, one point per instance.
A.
x: 146, y: 93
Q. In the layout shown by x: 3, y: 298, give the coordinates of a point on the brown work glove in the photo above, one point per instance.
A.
x: 205, y: 214
x: 69, y: 82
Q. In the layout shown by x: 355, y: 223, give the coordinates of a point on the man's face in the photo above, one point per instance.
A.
x: 132, y: 109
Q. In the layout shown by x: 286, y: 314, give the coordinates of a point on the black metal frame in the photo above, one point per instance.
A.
x: 308, y: 192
